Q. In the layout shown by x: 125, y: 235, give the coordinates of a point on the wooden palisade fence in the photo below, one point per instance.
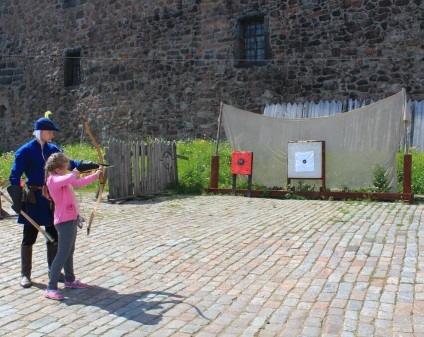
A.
x: 140, y: 168
x: 309, y: 109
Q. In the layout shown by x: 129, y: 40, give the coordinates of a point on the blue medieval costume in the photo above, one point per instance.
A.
x: 30, y: 160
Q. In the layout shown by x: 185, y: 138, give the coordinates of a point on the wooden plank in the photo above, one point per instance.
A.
x: 175, y: 156
x: 119, y: 169
x: 148, y: 170
x: 407, y: 198
x: 143, y: 166
x: 128, y: 173
x: 154, y: 166
x: 158, y: 166
x: 161, y: 167
x: 112, y: 175
x: 120, y: 172
x: 137, y: 181
x: 109, y: 160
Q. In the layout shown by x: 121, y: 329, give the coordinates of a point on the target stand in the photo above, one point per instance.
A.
x: 306, y: 160
x: 242, y: 163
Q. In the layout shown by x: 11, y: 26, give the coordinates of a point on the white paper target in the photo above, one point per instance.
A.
x: 304, y: 160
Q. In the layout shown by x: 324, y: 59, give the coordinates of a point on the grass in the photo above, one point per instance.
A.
x: 194, y: 172
x: 6, y: 160
x: 76, y: 152
x: 417, y: 176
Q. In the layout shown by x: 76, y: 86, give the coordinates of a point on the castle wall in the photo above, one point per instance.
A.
x: 161, y: 68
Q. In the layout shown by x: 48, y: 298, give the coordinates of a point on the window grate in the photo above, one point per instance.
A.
x: 254, y: 41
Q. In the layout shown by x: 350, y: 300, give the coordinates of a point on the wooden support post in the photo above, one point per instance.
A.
x: 407, y: 177
x: 249, y: 186
x: 214, y: 172
x: 323, y: 187
x: 233, y: 187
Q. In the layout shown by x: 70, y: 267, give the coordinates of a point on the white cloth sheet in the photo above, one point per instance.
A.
x: 355, y: 141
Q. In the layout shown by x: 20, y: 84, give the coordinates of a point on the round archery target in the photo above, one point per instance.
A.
x: 242, y: 162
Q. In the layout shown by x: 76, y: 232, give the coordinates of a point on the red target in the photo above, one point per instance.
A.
x: 242, y: 162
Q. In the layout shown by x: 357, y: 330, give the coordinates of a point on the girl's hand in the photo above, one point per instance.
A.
x: 100, y: 174
x: 75, y: 172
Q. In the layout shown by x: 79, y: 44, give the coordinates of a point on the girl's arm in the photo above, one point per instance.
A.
x: 57, y: 181
x: 85, y: 180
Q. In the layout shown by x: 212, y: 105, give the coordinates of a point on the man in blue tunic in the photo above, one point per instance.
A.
x: 30, y: 160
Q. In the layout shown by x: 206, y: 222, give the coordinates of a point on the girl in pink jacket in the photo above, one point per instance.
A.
x: 60, y: 186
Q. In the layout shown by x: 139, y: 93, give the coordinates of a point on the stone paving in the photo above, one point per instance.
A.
x: 229, y: 266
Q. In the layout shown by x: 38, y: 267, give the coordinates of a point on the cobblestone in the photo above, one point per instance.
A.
x: 228, y: 266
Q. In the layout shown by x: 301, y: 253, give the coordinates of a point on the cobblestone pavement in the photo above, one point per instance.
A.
x: 229, y: 266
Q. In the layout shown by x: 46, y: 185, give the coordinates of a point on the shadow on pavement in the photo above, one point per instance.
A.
x: 145, y: 307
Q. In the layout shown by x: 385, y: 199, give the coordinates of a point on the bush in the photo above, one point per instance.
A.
x: 6, y: 161
x: 380, y: 183
x: 195, y: 171
x: 417, y: 177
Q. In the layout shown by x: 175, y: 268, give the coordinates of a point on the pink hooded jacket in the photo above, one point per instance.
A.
x: 65, y: 204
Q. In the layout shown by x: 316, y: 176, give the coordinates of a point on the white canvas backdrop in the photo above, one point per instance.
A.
x: 355, y: 141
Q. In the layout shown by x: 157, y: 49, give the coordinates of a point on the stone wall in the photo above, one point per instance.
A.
x: 161, y: 68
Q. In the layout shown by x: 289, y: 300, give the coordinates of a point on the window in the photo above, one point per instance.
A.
x: 72, y: 68
x: 71, y: 3
x: 252, y: 41
x: 3, y: 110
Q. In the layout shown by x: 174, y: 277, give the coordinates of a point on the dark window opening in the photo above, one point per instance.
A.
x: 252, y: 44
x: 72, y: 3
x: 254, y: 41
x: 3, y: 110
x: 72, y: 68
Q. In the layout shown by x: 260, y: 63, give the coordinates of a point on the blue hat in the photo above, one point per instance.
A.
x: 45, y: 124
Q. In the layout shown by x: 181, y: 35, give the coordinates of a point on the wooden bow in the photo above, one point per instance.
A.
x: 102, y: 177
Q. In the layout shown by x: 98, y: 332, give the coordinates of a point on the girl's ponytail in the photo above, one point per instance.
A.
x: 56, y: 160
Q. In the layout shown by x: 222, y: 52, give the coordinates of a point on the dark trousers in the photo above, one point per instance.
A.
x: 30, y: 234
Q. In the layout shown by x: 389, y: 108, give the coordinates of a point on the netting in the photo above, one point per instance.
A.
x: 355, y: 142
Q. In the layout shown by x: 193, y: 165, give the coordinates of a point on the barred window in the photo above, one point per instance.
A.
x: 72, y: 3
x: 252, y: 41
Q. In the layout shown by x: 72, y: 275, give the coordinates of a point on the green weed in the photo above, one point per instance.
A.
x: 380, y: 182
x: 417, y: 175
x: 77, y: 152
x: 194, y: 172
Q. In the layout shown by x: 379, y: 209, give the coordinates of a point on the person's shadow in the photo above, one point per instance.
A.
x: 145, y: 307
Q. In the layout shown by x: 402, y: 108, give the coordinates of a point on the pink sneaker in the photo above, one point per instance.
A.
x: 76, y: 284
x: 53, y: 294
